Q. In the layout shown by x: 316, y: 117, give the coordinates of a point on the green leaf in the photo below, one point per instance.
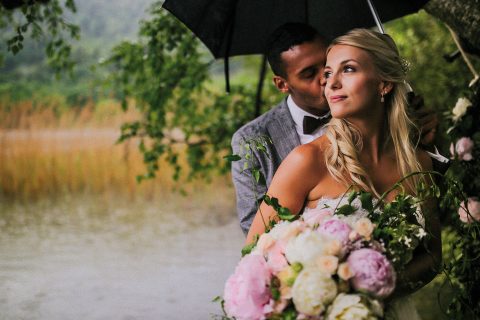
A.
x: 232, y: 157
x: 352, y: 197
x: 248, y: 248
x: 366, y: 200
x: 256, y: 174
x: 285, y: 214
x: 345, y: 210
x: 275, y: 293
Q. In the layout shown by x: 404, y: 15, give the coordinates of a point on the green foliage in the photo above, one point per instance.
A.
x: 462, y: 255
x: 423, y: 41
x: 249, y: 247
x: 166, y: 76
x: 39, y: 21
x: 28, y: 76
x: 282, y: 212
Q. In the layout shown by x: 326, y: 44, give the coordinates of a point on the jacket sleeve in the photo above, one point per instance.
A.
x: 248, y: 193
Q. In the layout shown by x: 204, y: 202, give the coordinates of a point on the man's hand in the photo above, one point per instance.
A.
x: 426, y: 119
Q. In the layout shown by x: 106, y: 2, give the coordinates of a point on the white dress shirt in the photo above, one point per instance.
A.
x: 297, y: 115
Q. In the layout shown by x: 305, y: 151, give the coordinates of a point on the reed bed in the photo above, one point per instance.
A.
x: 47, y: 150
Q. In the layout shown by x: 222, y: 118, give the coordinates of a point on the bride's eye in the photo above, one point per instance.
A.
x: 327, y: 74
x: 348, y: 68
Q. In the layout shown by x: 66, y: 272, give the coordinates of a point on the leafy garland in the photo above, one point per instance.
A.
x: 462, y: 232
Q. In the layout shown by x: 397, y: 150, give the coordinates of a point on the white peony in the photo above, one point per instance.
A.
x: 279, y: 229
x: 460, y: 108
x: 312, y: 291
x: 306, y: 248
x: 284, y: 230
x: 351, y: 307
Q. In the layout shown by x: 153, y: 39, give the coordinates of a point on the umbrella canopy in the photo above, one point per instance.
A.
x: 239, y: 27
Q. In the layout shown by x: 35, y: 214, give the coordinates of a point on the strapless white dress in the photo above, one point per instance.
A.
x: 398, y: 309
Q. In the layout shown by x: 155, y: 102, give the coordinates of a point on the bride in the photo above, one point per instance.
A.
x: 368, y: 143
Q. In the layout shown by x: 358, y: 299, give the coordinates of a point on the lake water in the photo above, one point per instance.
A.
x: 91, y: 259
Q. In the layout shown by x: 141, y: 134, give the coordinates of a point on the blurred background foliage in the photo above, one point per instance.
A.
x: 160, y: 68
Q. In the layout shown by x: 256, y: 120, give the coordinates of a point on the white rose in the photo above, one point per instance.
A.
x: 327, y: 264
x: 279, y: 229
x: 344, y: 271
x: 364, y: 227
x: 349, y: 307
x: 460, y: 108
x: 312, y: 291
x: 306, y: 247
x: 292, y: 230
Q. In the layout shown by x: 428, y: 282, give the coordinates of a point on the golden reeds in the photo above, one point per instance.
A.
x: 45, y: 152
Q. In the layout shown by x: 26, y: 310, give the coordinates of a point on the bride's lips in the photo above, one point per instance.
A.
x: 337, y: 98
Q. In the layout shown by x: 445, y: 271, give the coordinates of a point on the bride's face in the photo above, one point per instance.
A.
x: 353, y: 87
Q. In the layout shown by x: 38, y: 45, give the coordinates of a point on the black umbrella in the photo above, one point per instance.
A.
x: 239, y: 27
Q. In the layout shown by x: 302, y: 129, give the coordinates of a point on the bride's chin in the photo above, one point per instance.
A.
x: 338, y: 114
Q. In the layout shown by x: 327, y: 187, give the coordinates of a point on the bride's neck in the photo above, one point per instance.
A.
x: 374, y: 140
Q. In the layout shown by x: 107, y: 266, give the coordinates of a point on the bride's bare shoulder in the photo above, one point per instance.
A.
x: 309, y: 152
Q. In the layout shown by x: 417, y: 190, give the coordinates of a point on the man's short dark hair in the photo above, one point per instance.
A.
x: 285, y: 37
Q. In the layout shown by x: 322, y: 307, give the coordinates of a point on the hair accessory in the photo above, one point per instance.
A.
x: 405, y: 64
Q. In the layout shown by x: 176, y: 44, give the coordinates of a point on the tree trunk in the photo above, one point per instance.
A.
x: 463, y: 16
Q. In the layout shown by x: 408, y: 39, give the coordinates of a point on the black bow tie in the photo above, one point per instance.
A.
x: 310, y: 124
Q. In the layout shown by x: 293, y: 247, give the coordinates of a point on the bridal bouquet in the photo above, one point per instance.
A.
x: 332, y: 262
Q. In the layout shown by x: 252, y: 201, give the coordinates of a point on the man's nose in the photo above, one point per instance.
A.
x: 323, y: 79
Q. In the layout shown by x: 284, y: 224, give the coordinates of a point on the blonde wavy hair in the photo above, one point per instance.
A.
x: 341, y: 157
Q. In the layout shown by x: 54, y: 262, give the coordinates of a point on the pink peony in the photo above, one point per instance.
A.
x: 372, y: 272
x: 316, y: 216
x: 336, y: 229
x: 463, y: 148
x: 473, y: 206
x: 276, y: 257
x: 246, y: 293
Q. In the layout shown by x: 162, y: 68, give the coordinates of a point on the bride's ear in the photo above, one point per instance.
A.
x: 385, y: 87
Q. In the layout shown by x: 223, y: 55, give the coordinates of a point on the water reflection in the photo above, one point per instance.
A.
x: 87, y: 258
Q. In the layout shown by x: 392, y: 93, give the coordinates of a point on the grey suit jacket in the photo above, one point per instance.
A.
x: 278, y: 125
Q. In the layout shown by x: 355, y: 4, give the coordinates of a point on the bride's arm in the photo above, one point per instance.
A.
x: 427, y: 258
x: 291, y: 184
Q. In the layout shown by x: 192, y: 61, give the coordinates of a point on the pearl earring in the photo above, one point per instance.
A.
x: 382, y: 99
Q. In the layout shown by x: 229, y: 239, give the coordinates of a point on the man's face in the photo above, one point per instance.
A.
x: 304, y: 64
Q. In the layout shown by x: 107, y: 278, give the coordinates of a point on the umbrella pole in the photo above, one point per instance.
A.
x: 376, y: 17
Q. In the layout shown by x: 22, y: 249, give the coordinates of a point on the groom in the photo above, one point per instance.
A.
x: 296, y: 53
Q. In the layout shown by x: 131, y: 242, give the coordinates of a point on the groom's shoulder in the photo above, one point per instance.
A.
x: 424, y: 159
x: 259, y: 125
